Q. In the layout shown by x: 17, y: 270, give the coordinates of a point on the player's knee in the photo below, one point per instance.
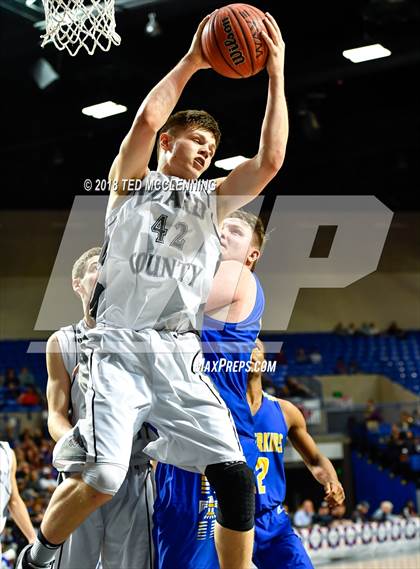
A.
x: 104, y: 478
x: 235, y: 490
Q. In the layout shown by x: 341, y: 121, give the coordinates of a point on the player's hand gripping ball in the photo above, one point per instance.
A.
x: 232, y: 42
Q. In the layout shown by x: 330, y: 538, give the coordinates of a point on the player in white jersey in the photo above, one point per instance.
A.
x: 119, y: 532
x: 10, y: 499
x: 160, y: 255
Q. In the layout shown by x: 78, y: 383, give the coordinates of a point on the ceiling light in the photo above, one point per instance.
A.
x: 103, y: 110
x: 230, y: 163
x: 366, y: 53
x: 152, y: 28
x: 43, y: 73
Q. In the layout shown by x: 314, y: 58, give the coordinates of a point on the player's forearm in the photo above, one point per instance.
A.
x: 323, y: 471
x: 160, y: 102
x: 58, y: 425
x: 275, y: 128
x: 20, y: 515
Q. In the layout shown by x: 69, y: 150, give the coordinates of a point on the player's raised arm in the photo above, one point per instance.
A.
x: 319, y: 465
x: 58, y: 391
x: 137, y: 147
x: 249, y: 178
x: 18, y: 509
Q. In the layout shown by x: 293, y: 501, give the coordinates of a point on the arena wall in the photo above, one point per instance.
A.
x: 362, y: 387
x: 32, y: 240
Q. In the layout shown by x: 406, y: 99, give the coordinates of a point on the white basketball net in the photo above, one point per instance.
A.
x: 73, y: 24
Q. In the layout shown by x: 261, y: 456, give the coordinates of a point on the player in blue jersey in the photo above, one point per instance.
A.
x: 276, y: 545
x: 186, y: 506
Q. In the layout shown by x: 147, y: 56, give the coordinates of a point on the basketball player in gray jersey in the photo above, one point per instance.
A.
x: 160, y: 254
x: 120, y: 531
x: 10, y: 499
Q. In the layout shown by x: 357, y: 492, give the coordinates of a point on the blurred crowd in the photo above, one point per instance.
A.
x: 36, y: 480
x: 19, y: 389
x: 394, y: 445
x: 369, y: 329
x: 307, y: 516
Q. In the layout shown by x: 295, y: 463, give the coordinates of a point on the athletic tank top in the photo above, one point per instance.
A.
x: 159, y: 257
x: 234, y: 342
x: 271, y: 436
x: 69, y: 339
x: 5, y: 481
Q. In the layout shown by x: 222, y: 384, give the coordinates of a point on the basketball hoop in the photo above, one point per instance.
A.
x: 73, y: 24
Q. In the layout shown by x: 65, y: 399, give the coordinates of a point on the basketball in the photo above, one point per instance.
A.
x: 232, y: 42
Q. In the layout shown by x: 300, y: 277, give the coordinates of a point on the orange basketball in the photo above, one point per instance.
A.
x: 232, y: 42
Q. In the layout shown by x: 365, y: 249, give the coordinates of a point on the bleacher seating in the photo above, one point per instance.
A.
x: 398, y: 359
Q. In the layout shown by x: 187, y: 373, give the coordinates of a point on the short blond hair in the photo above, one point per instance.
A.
x: 80, y: 266
x: 255, y: 224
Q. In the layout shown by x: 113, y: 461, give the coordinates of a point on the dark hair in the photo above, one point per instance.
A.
x: 190, y: 119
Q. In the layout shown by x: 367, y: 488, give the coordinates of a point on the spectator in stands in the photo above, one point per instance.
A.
x: 293, y: 388
x: 373, y: 330
x: 10, y: 378
x: 268, y: 385
x: 338, y: 514
x: 384, y: 512
x: 315, y: 356
x: 323, y: 517
x: 11, y: 385
x: 353, y: 367
x: 394, y: 330
x: 406, y: 421
x: 340, y: 330
x: 26, y: 377
x: 29, y: 398
x: 360, y: 514
x: 372, y: 415
x: 301, y: 357
x: 48, y: 479
x: 409, y: 510
x: 281, y: 358
x: 351, y: 329
x: 304, y: 515
x: 363, y: 330
x: 340, y: 366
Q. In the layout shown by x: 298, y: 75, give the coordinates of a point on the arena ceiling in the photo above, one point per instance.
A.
x: 355, y: 128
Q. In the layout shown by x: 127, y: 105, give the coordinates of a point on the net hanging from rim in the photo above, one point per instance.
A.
x: 73, y: 24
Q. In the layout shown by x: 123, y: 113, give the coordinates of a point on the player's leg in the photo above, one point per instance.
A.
x: 82, y: 549
x: 106, y: 434
x: 128, y: 522
x: 234, y: 532
x: 196, y: 431
x: 277, y: 545
x: 184, y: 520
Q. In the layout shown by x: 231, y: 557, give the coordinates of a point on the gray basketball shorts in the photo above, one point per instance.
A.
x: 148, y: 376
x: 119, y: 533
